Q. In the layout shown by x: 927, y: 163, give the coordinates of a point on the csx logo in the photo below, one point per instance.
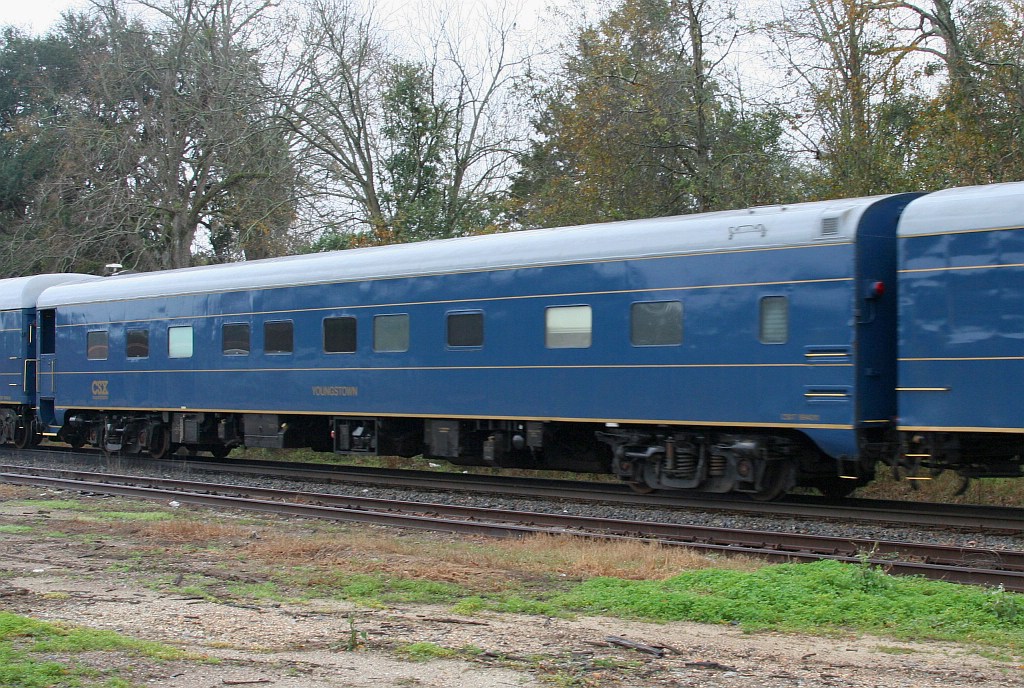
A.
x: 99, y: 388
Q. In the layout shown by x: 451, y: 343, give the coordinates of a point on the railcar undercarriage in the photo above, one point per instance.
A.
x: 157, y: 433
x: 762, y: 466
x: 924, y: 455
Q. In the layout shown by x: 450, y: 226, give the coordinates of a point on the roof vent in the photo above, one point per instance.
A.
x: 829, y: 226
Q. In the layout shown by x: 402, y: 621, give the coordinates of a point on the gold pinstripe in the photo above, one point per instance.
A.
x: 474, y: 271
x: 962, y: 358
x: 961, y: 231
x: 449, y: 368
x: 488, y: 299
x: 943, y: 428
x: 348, y: 413
x: 962, y: 267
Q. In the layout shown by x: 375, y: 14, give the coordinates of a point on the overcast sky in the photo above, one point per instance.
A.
x: 36, y: 15
x: 39, y: 15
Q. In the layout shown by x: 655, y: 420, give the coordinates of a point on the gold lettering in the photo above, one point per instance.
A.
x: 805, y: 417
x: 99, y: 389
x: 335, y: 391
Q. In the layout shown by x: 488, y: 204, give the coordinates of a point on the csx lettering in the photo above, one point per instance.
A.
x: 99, y: 388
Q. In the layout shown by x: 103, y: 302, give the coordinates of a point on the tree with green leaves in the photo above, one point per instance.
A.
x: 37, y: 74
x: 415, y: 136
x: 164, y: 138
x: 634, y: 124
x: 971, y: 126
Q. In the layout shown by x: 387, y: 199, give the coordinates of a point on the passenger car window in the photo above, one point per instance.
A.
x: 774, y: 325
x: 235, y: 339
x: 656, y: 323
x: 179, y: 342
x: 466, y: 329
x: 568, y: 327
x: 391, y: 333
x: 137, y: 343
x: 277, y: 337
x: 340, y: 335
x: 96, y: 345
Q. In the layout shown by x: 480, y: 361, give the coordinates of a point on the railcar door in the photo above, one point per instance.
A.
x: 47, y: 365
x: 28, y: 380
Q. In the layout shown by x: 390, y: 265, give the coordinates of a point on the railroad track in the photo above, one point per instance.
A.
x: 960, y: 564
x: 971, y: 517
x: 965, y: 517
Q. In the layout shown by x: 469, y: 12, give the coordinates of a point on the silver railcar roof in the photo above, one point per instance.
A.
x: 23, y: 292
x: 733, y: 230
x: 965, y: 209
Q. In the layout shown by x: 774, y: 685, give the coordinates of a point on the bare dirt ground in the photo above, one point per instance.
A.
x: 89, y: 582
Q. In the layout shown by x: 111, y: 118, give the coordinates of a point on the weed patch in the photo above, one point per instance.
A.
x: 424, y: 652
x: 819, y: 597
x: 128, y: 516
x: 23, y: 641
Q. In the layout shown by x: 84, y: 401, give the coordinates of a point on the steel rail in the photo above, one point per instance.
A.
x: 968, y: 517
x: 958, y: 564
x: 963, y: 516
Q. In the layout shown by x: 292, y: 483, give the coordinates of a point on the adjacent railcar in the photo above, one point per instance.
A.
x: 961, y: 336
x: 18, y: 297
x: 736, y: 351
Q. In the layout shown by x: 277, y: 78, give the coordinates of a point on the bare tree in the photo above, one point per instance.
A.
x: 332, y: 106
x: 858, y: 104
x: 401, y: 144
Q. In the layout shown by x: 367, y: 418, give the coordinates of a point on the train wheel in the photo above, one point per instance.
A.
x: 8, y: 424
x: 24, y: 432
x: 159, y: 442
x: 641, y: 488
x: 220, y: 451
x: 779, y: 477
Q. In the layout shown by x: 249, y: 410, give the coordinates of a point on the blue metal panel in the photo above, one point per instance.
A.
x: 962, y: 330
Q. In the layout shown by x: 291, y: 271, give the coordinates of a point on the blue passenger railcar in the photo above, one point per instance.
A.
x: 17, y: 353
x: 743, y: 350
x: 961, y: 338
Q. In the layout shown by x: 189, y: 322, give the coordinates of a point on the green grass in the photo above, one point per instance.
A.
x: 49, y: 637
x: 28, y: 648
x: 130, y: 511
x: 267, y: 590
x: 378, y: 590
x: 822, y: 597
x: 146, y: 516
x: 425, y: 652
